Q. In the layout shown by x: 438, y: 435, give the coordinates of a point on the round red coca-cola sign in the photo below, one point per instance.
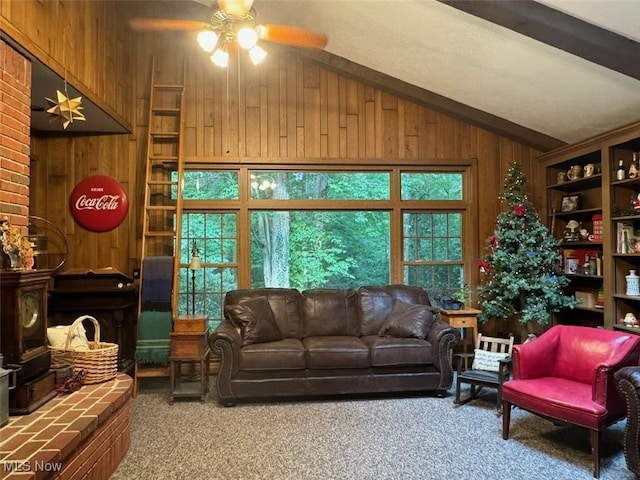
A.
x: 99, y: 203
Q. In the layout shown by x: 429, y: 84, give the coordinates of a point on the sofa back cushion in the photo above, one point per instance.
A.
x: 376, y: 302
x: 329, y: 312
x: 256, y: 320
x: 284, y: 302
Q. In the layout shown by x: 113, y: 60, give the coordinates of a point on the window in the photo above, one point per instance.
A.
x: 321, y: 229
x: 432, y: 250
x: 308, y: 185
x: 215, y: 237
x: 319, y: 249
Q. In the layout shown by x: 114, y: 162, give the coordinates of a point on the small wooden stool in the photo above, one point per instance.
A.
x: 180, y: 389
x: 191, y: 348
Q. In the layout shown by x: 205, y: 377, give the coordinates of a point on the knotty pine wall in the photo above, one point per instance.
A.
x: 286, y: 111
x: 88, y: 43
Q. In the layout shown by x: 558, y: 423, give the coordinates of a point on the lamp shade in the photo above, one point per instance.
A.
x: 195, y: 263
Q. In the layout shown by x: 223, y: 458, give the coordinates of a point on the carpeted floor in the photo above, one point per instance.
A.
x: 414, y: 437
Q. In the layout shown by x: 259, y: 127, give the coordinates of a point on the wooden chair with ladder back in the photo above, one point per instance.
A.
x: 491, y: 367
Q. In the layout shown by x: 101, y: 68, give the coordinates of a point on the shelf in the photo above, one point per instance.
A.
x: 579, y: 184
x: 603, y: 194
x: 625, y: 217
x: 624, y: 328
x: 590, y: 309
x: 627, y: 182
x: 582, y: 211
x: 634, y: 298
x: 585, y: 243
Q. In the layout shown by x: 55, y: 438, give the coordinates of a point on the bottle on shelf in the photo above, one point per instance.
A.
x: 633, y: 284
x: 634, y: 168
x: 621, y: 173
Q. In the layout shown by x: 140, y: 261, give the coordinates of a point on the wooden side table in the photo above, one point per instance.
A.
x: 464, y: 318
x: 190, y: 348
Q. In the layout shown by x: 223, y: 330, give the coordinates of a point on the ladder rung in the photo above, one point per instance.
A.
x: 161, y: 158
x: 171, y: 135
x: 169, y: 87
x: 160, y: 233
x: 166, y: 111
x: 162, y: 182
x: 165, y: 208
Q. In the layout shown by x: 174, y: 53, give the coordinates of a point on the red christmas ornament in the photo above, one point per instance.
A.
x: 484, y: 266
x: 520, y: 210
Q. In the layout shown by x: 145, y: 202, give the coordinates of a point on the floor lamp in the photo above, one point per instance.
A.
x: 194, y: 266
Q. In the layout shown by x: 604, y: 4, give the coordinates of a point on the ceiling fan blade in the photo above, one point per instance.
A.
x: 297, y: 37
x: 153, y: 24
x: 235, y: 7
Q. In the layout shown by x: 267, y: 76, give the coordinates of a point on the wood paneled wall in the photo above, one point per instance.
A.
x: 89, y: 43
x: 288, y: 110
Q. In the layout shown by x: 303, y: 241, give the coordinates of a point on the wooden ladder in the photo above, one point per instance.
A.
x: 161, y: 232
x: 164, y: 175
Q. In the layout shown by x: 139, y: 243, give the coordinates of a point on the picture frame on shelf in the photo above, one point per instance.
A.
x: 570, y: 203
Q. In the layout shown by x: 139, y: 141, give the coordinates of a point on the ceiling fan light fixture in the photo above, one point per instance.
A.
x: 220, y: 57
x: 247, y: 38
x: 257, y: 54
x: 207, y: 39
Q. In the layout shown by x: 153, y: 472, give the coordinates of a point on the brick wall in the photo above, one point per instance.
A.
x: 15, y: 121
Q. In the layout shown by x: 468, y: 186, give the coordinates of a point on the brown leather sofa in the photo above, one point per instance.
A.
x: 628, y: 383
x: 285, y: 343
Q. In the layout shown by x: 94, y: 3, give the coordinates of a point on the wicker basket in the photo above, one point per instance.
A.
x: 100, y: 362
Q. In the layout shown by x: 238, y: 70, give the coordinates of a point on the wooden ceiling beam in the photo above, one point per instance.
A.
x: 430, y: 99
x: 555, y: 28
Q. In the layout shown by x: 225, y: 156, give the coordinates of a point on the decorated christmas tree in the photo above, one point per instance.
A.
x: 520, y: 273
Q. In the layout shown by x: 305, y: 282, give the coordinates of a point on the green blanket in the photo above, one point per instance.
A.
x: 154, y: 331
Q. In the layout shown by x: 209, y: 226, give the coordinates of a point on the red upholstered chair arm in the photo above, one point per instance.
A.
x: 534, y: 359
x: 605, y: 391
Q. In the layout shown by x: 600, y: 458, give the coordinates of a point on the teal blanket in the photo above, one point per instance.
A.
x: 154, y: 332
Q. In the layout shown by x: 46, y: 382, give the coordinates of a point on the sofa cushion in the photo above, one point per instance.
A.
x: 286, y: 354
x: 329, y: 312
x: 336, y: 352
x: 255, y: 319
x: 392, y: 351
x: 408, y: 320
x: 284, y: 302
x: 375, y: 304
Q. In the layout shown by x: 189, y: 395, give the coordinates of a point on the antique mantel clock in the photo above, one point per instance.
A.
x: 24, y: 314
x: 23, y: 336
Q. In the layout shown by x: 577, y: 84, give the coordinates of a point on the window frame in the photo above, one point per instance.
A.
x: 244, y: 205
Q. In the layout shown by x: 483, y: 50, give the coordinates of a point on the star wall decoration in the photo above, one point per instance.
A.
x: 66, y: 108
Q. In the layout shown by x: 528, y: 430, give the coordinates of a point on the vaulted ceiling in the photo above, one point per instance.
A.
x: 546, y: 73
x: 564, y: 70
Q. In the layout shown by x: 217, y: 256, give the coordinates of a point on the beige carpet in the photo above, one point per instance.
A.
x: 415, y: 437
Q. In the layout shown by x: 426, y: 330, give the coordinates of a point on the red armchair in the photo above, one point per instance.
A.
x: 566, y: 375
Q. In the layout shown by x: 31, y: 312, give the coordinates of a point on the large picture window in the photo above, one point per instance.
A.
x: 319, y: 249
x: 321, y: 229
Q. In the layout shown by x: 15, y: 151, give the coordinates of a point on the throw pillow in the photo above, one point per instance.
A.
x: 408, y: 320
x: 488, y: 361
x: 256, y: 321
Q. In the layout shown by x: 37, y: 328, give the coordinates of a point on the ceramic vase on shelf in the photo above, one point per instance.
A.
x: 633, y: 283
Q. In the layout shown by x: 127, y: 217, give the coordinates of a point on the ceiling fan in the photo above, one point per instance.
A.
x: 233, y: 23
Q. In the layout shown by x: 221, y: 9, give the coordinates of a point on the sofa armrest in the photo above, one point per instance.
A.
x: 628, y: 382
x: 443, y: 337
x: 226, y: 342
